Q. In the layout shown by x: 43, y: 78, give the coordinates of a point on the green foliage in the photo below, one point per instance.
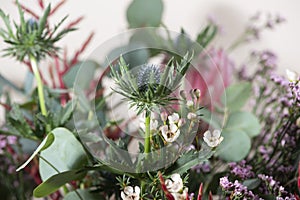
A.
x: 244, y: 121
x: 56, y: 181
x: 236, y: 95
x: 134, y: 54
x: 31, y: 38
x: 5, y: 82
x: 143, y: 13
x: 44, y: 145
x: 206, y: 36
x: 210, y: 118
x: 81, y: 74
x: 65, y: 153
x: 235, y: 146
x: 188, y: 160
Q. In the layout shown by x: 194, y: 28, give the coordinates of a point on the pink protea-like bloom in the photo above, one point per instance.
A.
x: 212, y: 75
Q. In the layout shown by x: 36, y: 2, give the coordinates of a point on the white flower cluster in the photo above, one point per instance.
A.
x: 175, y: 187
x: 172, y: 131
x: 131, y: 194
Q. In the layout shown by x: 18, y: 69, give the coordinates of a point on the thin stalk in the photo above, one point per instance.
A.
x: 147, y: 145
x: 40, y: 87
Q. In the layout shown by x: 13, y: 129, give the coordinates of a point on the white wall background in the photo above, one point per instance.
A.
x: 108, y: 18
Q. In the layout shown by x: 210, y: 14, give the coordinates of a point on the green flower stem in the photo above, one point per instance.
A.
x: 40, y: 87
x: 147, y: 145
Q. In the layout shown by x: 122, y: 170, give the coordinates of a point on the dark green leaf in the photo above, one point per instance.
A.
x: 56, y: 181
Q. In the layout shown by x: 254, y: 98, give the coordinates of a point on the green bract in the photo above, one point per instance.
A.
x: 152, y: 85
x: 31, y: 38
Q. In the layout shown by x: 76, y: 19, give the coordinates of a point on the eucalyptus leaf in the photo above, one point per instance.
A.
x: 210, y: 118
x: 189, y: 160
x: 81, y: 74
x: 235, y: 146
x: 244, y: 121
x: 134, y: 54
x: 142, y: 13
x: 56, y: 181
x: 44, y: 145
x: 235, y: 96
x: 28, y: 82
x: 65, y: 153
x: 4, y: 81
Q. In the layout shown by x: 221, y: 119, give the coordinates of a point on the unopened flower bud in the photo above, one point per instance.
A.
x: 164, y: 116
x: 298, y: 122
x: 183, y: 94
x: 190, y: 104
x: 181, y: 122
x: 197, y: 93
x: 191, y: 116
x: 292, y: 75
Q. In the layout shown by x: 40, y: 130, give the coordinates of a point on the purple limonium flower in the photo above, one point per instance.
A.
x: 236, y: 189
x: 241, y: 170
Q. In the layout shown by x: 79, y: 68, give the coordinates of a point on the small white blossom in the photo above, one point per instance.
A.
x: 174, y: 184
x: 130, y: 194
x: 191, y: 116
x: 181, y: 122
x: 170, y: 133
x: 182, y: 195
x: 164, y: 116
x: 174, y: 118
x: 292, y: 75
x: 175, y: 187
x: 213, y: 139
x: 190, y: 104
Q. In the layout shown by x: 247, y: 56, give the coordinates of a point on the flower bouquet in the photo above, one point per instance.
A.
x: 151, y: 114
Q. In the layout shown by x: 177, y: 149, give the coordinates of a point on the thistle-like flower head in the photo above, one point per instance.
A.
x: 152, y: 85
x: 31, y: 37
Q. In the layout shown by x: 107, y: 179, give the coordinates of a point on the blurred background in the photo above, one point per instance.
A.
x: 108, y: 18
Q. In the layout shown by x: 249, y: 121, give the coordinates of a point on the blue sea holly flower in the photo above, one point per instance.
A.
x: 152, y: 85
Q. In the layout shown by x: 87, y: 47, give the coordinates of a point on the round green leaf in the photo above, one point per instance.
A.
x: 82, y: 73
x: 142, y: 13
x: 235, y: 146
x: 244, y: 121
x: 235, y: 96
x: 65, y: 153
